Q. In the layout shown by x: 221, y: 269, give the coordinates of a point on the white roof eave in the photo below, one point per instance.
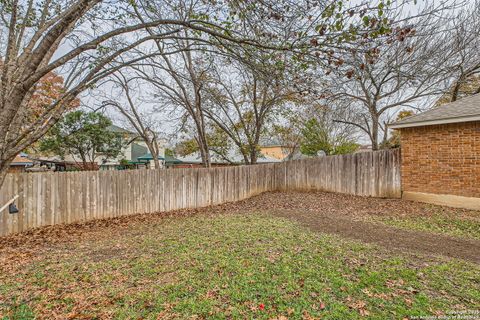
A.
x: 434, y: 122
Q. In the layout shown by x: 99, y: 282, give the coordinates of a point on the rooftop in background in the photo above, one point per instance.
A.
x: 464, y: 110
x: 234, y: 157
x: 168, y: 159
x: 270, y: 142
x: 114, y: 128
x: 21, y: 160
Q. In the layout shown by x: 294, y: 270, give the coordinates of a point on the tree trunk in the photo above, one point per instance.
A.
x: 253, y: 155
x: 153, y: 148
x: 203, y: 144
x: 4, y: 165
x: 154, y: 154
x: 384, y: 143
x: 156, y: 163
x: 84, y: 162
x: 245, y: 155
x: 204, y: 154
x: 374, y: 136
x: 456, y: 88
x: 253, y: 148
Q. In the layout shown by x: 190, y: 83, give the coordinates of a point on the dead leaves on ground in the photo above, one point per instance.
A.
x: 331, y: 203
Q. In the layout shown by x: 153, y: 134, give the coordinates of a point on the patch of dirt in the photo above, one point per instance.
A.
x: 389, y: 237
x: 353, y: 206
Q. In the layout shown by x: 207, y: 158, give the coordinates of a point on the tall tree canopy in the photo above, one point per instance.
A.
x: 86, y: 41
x: 83, y: 136
x: 47, y: 91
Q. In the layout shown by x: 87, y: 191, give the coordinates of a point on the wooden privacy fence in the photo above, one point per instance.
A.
x: 65, y: 197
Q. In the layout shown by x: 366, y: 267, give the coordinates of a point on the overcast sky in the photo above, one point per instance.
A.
x: 167, y: 123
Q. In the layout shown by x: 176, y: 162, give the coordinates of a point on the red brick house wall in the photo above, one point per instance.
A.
x: 442, y: 159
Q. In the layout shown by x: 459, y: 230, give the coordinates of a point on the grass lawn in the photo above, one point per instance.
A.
x: 441, y: 220
x: 231, y: 266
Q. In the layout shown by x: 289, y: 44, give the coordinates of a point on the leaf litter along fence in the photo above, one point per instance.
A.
x: 65, y: 197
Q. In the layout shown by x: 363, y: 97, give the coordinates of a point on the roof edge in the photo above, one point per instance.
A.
x: 434, y: 122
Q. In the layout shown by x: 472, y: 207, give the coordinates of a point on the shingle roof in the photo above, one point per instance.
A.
x: 168, y: 159
x: 233, y: 156
x: 114, y: 128
x: 464, y: 110
x: 270, y: 142
x: 21, y: 160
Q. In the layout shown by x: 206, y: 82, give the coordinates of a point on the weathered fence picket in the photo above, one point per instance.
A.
x: 65, y: 197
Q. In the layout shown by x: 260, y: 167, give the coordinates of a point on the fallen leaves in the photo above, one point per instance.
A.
x: 360, y: 306
x: 340, y: 204
x: 382, y: 296
x: 306, y: 316
x: 130, y: 254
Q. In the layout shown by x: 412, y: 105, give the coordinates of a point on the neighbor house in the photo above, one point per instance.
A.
x: 441, y: 154
x: 166, y: 161
x: 133, y: 148
x: 275, y: 149
x: 20, y: 164
x: 194, y: 160
x: 231, y: 159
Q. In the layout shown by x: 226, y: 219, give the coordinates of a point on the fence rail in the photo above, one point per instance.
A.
x: 66, y: 197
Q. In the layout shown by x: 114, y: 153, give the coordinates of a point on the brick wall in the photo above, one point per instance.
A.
x: 442, y: 159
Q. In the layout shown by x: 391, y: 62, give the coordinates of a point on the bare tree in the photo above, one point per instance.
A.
x: 464, y: 41
x: 179, y: 81
x: 376, y: 78
x: 287, y: 135
x: 242, y: 100
x: 142, y: 122
x: 88, y: 40
x: 83, y: 40
x: 219, y: 144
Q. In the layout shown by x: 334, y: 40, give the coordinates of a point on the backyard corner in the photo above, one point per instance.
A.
x: 273, y: 159
x: 262, y: 258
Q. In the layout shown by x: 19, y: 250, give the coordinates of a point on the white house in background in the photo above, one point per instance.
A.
x: 134, y: 147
